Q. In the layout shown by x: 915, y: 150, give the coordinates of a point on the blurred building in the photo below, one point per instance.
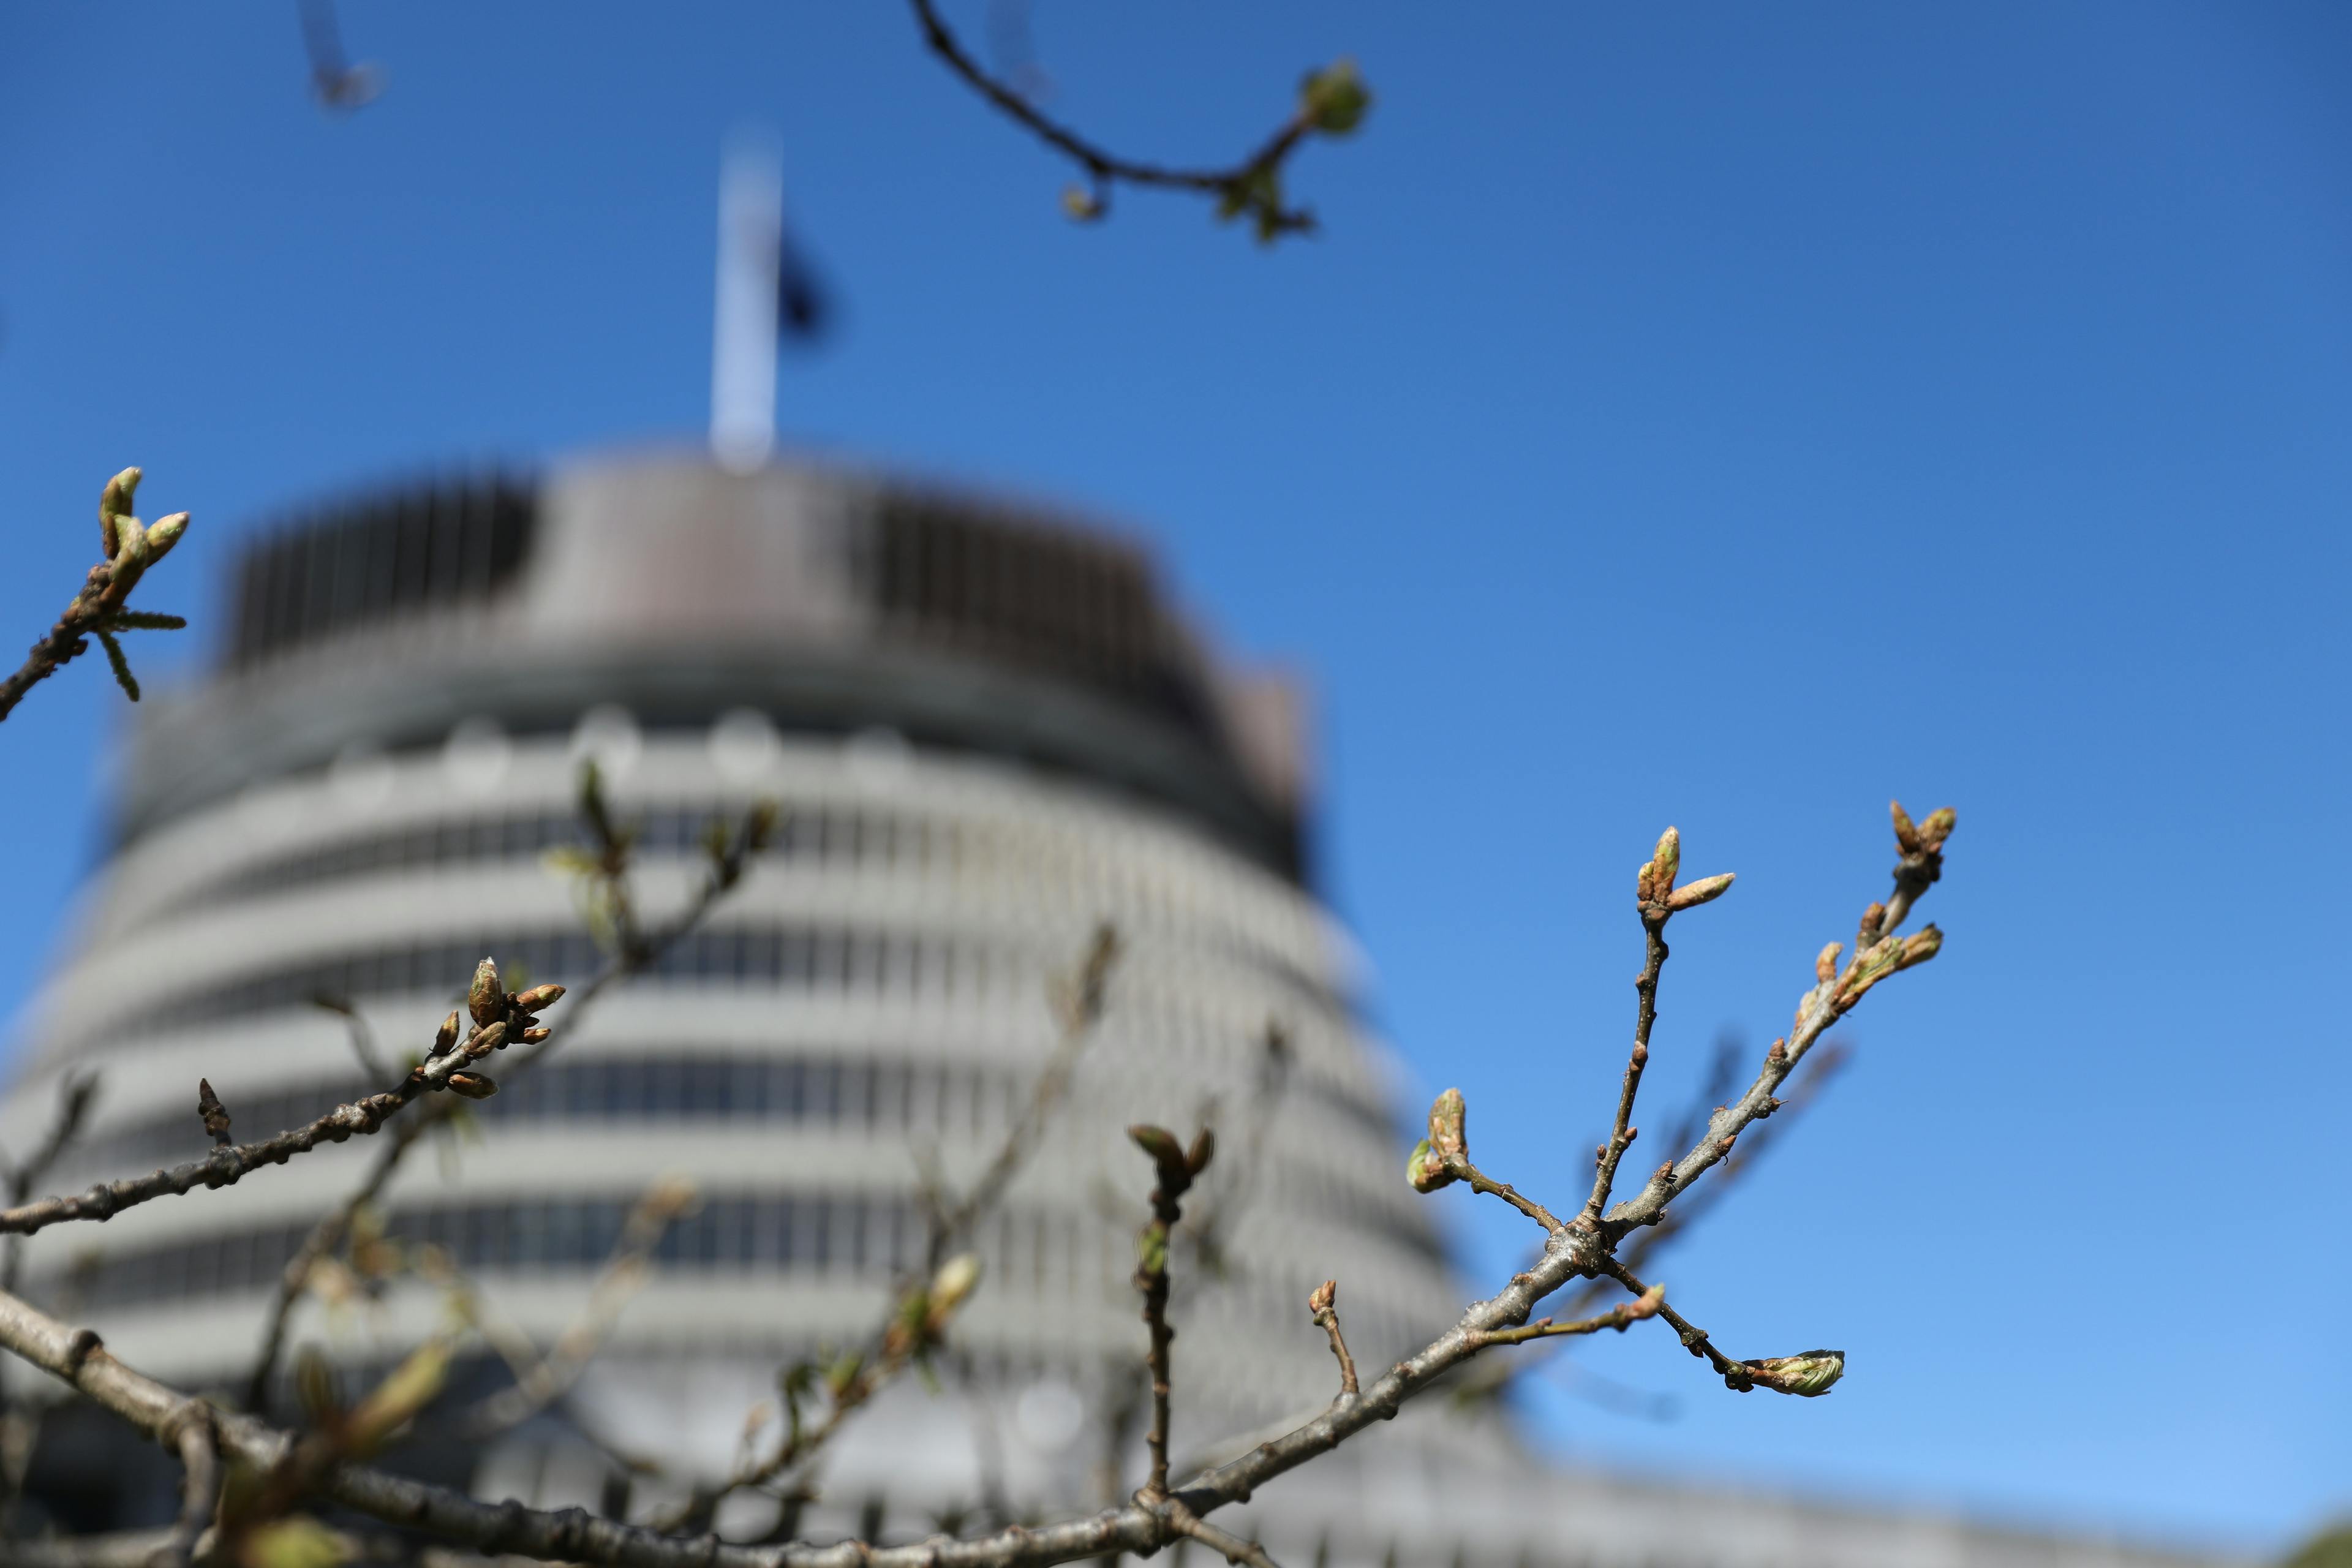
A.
x: 990, y: 731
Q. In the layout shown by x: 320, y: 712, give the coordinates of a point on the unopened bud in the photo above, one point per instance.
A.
x: 538, y: 999
x: 164, y: 534
x: 531, y: 1037
x: 1932, y: 832
x: 956, y: 1280
x: 1806, y: 1375
x: 1323, y: 1298
x: 1905, y: 834
x: 486, y: 999
x: 483, y: 1041
x: 114, y: 504
x: 1203, y: 1150
x: 1448, y: 1130
x: 1426, y: 1169
x: 1664, y: 862
x: 444, y: 1037
x: 1825, y: 967
x: 1920, y: 946
x: 1158, y: 1142
x: 759, y: 826
x: 472, y: 1085
x: 1872, y: 919
x: 1080, y: 204
x: 1698, y: 893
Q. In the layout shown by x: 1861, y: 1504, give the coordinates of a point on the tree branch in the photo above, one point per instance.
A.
x: 100, y: 609
x: 1324, y: 1304
x: 1330, y: 101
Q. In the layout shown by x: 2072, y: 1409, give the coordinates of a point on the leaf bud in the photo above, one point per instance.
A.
x: 1932, y: 832
x: 955, y: 1281
x: 1425, y: 1170
x: 532, y: 1036
x: 1806, y: 1375
x: 1080, y: 204
x: 1905, y: 835
x: 538, y: 999
x: 1334, y: 98
x: 1920, y: 946
x: 486, y: 999
x: 1825, y: 967
x: 164, y: 534
x: 1704, y: 890
x: 472, y: 1085
x: 444, y: 1037
x: 759, y: 825
x: 1323, y: 1298
x: 113, y: 505
x: 483, y: 1041
x: 1664, y: 862
x: 1203, y: 1150
x: 1158, y: 1142
x: 1448, y: 1132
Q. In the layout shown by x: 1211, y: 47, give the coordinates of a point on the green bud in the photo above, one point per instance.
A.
x: 1334, y: 98
x: 1426, y: 1170
x: 1937, y: 828
x: 1920, y: 946
x: 486, y: 999
x: 165, y: 535
x: 1905, y: 834
x: 1806, y: 1375
x: 1151, y: 1249
x: 113, y: 506
x: 538, y: 999
x: 1664, y: 862
x: 1080, y: 204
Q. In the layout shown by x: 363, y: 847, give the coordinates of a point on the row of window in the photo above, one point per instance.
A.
x: 870, y: 962
x: 1044, y: 1251
x: 826, y: 835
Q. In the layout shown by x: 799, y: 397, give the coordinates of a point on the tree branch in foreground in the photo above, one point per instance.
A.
x: 100, y: 610
x: 1158, y: 1515
x: 1332, y: 102
x: 633, y: 949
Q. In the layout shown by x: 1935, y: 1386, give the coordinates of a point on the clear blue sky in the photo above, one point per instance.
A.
x: 1727, y: 415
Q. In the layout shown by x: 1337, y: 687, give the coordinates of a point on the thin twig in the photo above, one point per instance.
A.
x: 621, y: 1277
x: 1224, y: 1543
x: 229, y: 1164
x: 1649, y: 1303
x: 1251, y: 185
x: 1324, y: 1305
x: 192, y: 1435
x: 1177, y: 1168
x: 101, y: 609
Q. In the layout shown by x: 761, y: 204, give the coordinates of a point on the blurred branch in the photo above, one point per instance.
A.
x: 1332, y: 102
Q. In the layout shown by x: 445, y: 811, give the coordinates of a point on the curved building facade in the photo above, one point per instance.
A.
x: 988, y: 731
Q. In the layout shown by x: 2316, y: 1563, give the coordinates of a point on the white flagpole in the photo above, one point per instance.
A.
x: 743, y: 326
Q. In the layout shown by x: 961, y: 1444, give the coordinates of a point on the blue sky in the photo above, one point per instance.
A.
x: 1727, y: 415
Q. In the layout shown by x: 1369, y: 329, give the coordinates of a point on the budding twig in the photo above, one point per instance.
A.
x: 1648, y: 1304
x: 1332, y: 102
x: 1177, y: 1168
x: 1323, y: 1304
x: 99, y: 610
x: 1442, y: 1158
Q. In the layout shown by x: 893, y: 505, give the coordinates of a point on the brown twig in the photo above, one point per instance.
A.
x: 622, y: 1277
x: 191, y: 1433
x: 1332, y: 102
x: 1177, y: 1168
x: 1323, y: 1304
x: 229, y: 1164
x: 1649, y: 1303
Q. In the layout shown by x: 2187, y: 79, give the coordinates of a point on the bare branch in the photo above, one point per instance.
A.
x: 191, y: 1433
x: 1649, y: 1303
x: 229, y: 1164
x: 1835, y: 992
x: 362, y: 1037
x: 1332, y: 102
x: 100, y: 609
x: 1177, y: 1168
x: 1232, y: 1547
x: 622, y: 1276
x: 1324, y: 1304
